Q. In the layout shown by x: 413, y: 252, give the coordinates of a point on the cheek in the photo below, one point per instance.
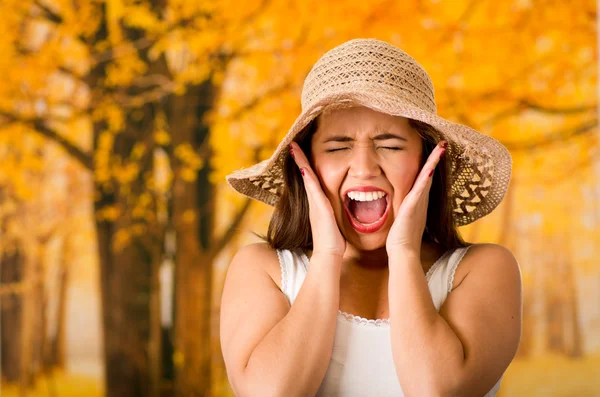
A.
x: 403, y: 179
x: 330, y: 176
x: 405, y: 173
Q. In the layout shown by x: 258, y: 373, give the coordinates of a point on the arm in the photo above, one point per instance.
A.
x: 270, y: 348
x: 465, y: 348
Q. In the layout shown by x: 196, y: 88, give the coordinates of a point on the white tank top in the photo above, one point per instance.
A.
x: 361, y: 362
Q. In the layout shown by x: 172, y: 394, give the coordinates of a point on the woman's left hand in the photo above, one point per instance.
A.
x: 407, y: 230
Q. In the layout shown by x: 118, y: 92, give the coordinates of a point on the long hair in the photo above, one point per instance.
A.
x: 289, y: 227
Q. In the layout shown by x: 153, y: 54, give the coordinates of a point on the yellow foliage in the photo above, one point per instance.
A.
x: 511, y: 69
x: 178, y: 359
x: 552, y: 375
x: 186, y: 154
x: 189, y: 216
x: 126, y: 173
x: 140, y: 16
x: 108, y: 213
x: 162, y: 137
x: 121, y: 239
x: 138, y: 229
x: 69, y: 385
x: 188, y: 174
x: 125, y: 68
x: 138, y: 151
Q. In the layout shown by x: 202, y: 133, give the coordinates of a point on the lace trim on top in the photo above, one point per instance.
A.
x: 379, y: 322
x: 454, y: 266
x: 284, y: 274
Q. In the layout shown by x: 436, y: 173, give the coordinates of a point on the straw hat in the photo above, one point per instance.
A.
x: 377, y: 75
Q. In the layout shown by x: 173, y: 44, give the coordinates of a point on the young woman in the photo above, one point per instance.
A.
x: 363, y: 286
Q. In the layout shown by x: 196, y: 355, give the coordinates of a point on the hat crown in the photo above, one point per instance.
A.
x: 361, y: 65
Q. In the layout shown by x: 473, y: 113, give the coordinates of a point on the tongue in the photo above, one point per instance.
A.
x: 367, y: 211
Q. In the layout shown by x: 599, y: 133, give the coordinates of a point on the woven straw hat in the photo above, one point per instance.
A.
x: 377, y: 75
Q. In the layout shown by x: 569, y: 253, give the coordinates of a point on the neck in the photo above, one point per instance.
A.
x: 374, y: 260
x: 366, y: 260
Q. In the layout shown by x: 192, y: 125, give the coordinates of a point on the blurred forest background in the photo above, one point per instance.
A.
x: 119, y: 120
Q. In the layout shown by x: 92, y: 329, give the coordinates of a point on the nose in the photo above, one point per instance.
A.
x: 364, y: 163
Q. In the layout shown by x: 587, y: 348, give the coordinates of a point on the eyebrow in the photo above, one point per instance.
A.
x: 378, y: 137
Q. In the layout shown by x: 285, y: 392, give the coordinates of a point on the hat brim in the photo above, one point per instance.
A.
x: 480, y: 165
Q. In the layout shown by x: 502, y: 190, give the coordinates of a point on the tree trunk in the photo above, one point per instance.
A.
x: 11, y: 272
x: 193, y: 210
x: 554, y: 303
x: 128, y: 276
x: 575, y: 343
x: 27, y: 337
x: 55, y: 356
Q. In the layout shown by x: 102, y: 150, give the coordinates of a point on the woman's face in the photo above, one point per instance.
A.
x: 357, y: 148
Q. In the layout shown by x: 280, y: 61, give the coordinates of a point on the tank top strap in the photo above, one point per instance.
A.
x: 442, y: 277
x: 293, y: 272
x: 453, y: 262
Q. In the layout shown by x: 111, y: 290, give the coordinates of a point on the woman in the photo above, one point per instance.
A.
x: 363, y: 286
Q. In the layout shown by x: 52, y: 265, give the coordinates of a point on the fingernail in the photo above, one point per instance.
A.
x: 444, y: 144
x: 302, y: 171
x: 431, y: 172
x: 443, y: 152
x: 292, y: 153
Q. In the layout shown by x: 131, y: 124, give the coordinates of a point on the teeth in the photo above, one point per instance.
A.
x: 366, y: 196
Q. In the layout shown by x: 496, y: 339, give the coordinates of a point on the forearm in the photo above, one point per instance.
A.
x: 293, y: 357
x: 428, y: 355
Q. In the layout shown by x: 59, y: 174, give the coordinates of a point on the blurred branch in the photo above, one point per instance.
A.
x: 554, y: 179
x: 105, y: 56
x: 150, y: 96
x: 145, y: 42
x: 257, y: 100
x: 50, y: 15
x: 554, y: 137
x: 222, y: 241
x: 504, y: 114
x: 551, y: 110
x: 39, y: 126
x: 232, y: 230
x: 524, y: 105
x: 510, y: 80
x: 153, y: 79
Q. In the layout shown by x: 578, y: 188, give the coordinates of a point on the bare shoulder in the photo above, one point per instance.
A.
x: 492, y: 259
x: 251, y: 305
x: 260, y: 257
x: 485, y: 313
x: 488, y: 261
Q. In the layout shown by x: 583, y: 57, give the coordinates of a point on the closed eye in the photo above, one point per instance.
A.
x: 382, y: 147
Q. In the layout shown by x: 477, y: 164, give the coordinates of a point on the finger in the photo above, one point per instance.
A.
x: 434, y: 159
x: 424, y: 181
x: 425, y: 176
x: 311, y: 182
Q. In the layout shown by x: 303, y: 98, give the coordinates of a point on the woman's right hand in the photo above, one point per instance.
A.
x: 327, y: 238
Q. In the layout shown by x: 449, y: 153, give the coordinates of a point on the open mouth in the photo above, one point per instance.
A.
x: 367, y: 216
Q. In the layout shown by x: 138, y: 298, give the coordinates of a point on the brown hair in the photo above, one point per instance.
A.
x: 290, y: 229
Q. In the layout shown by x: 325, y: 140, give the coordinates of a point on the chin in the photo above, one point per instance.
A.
x: 366, y: 242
